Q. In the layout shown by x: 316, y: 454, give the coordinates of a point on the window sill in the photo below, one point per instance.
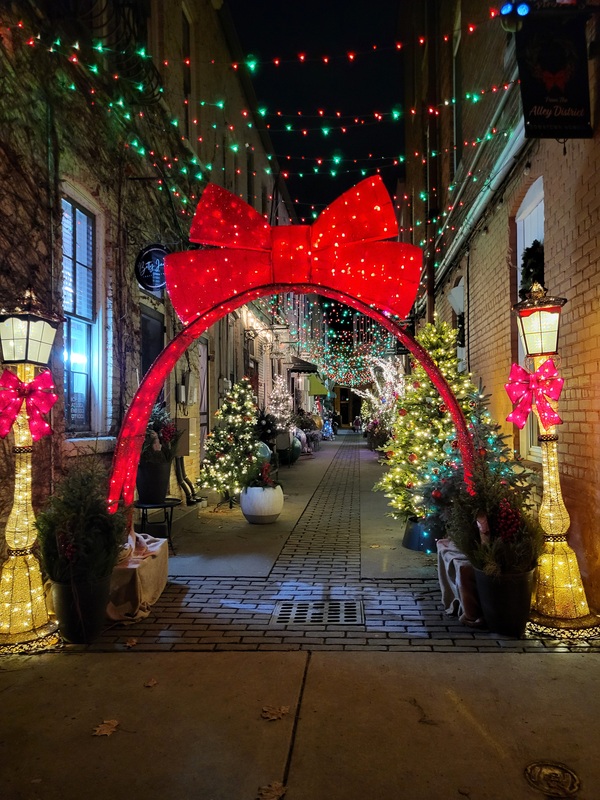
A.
x: 89, y: 445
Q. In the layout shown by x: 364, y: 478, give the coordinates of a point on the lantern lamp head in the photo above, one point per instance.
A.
x: 539, y: 317
x: 27, y: 333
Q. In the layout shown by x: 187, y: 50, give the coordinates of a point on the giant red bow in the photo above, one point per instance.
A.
x: 39, y: 398
x: 343, y: 250
x: 526, y: 388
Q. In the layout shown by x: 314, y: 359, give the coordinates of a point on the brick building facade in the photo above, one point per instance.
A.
x: 113, y: 117
x: 477, y: 194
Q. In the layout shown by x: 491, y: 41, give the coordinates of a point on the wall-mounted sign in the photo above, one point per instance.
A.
x: 553, y: 72
x: 150, y: 267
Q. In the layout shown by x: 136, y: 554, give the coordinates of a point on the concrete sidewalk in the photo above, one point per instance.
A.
x: 353, y: 726
x: 403, y: 703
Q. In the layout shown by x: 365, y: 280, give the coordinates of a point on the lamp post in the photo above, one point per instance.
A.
x: 560, y: 606
x: 27, y: 336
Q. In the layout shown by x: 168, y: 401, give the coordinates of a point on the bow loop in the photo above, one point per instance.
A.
x: 39, y: 397
x: 538, y: 388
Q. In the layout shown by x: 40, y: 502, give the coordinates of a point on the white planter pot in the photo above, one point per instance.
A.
x: 261, y: 505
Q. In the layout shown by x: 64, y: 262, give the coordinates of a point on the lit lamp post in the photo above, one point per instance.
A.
x: 27, y: 336
x: 560, y: 606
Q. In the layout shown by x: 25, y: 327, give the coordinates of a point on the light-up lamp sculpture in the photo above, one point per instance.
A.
x: 560, y: 606
x: 27, y: 336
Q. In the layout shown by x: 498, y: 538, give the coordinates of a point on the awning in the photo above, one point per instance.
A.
x: 315, y: 385
x: 299, y: 365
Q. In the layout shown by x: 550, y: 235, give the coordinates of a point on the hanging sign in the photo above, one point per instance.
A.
x: 150, y: 267
x: 553, y: 73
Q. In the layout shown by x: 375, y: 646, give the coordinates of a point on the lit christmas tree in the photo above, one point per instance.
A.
x: 422, y: 424
x: 232, y: 447
x: 379, y: 401
x: 280, y: 403
x: 442, y: 481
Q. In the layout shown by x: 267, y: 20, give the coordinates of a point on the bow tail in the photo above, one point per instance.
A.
x: 10, y: 405
x: 547, y: 415
x: 521, y: 411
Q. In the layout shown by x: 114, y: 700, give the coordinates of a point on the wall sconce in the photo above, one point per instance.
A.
x: 27, y: 335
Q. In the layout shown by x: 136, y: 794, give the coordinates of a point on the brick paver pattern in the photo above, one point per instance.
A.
x: 319, y: 562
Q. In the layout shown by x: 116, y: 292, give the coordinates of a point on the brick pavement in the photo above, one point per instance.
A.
x: 319, y: 564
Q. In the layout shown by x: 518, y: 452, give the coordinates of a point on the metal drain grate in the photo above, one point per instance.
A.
x: 319, y: 612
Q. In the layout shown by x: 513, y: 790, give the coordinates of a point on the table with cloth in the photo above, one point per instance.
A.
x: 139, y: 578
x: 457, y: 583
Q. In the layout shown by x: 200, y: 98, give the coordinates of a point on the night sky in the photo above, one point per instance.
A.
x: 370, y: 83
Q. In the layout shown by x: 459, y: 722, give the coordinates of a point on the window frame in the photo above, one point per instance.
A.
x: 99, y: 335
x: 529, y: 228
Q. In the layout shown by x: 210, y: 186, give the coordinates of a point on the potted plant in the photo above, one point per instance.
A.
x: 79, y: 542
x: 497, y: 531
x: 261, y: 500
x: 158, y: 451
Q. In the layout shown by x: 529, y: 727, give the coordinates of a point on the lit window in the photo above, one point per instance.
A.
x: 530, y: 226
x: 78, y: 304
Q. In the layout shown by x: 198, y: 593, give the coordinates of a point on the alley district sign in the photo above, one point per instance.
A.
x: 553, y: 72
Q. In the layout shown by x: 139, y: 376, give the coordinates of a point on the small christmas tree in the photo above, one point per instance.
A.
x: 281, y: 405
x: 379, y: 401
x: 232, y: 446
x: 443, y: 481
x: 422, y: 423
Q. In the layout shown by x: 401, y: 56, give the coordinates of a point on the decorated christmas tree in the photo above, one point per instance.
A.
x: 442, y: 481
x: 422, y: 424
x: 380, y: 399
x: 280, y: 403
x: 232, y: 446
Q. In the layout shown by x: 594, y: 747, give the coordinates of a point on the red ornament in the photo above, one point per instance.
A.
x: 417, y: 385
x: 454, y: 444
x: 436, y: 494
x: 413, y: 457
x: 482, y: 451
x: 409, y: 484
x: 442, y: 408
x: 402, y: 412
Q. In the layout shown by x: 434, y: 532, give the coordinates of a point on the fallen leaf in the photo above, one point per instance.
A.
x: 131, y: 642
x: 373, y: 546
x: 150, y: 683
x: 274, y: 712
x: 273, y: 791
x: 108, y: 727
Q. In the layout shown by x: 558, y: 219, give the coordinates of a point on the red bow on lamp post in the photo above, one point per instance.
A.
x: 39, y: 398
x: 539, y: 387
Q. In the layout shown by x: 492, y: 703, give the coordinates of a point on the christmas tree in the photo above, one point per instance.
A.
x: 442, y: 482
x: 232, y: 446
x: 422, y: 424
x: 280, y: 403
x: 377, y: 410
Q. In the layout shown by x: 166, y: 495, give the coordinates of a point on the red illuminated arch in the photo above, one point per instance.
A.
x: 342, y: 256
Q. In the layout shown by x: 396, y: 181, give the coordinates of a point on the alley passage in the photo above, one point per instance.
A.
x: 314, y: 597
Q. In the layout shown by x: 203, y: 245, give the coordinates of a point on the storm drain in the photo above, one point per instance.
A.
x: 319, y: 612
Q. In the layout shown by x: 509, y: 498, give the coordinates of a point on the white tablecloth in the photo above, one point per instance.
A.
x: 457, y: 582
x: 139, y: 578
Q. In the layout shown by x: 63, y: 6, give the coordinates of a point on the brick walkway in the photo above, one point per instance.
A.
x: 316, y: 579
